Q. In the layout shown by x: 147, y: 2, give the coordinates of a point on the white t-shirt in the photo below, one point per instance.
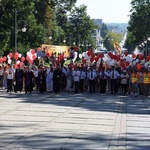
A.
x: 76, y: 75
x: 10, y: 74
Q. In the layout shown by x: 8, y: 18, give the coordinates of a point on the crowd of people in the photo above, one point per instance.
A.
x: 75, y: 79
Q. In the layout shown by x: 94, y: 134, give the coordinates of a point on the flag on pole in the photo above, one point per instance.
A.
x: 117, y: 48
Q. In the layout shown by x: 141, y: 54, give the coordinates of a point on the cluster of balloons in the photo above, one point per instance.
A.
x: 89, y: 57
x: 19, y: 59
x: 110, y: 59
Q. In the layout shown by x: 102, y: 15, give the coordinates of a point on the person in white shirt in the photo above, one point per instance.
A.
x: 103, y: 80
x: 114, y: 75
x: 1, y: 76
x: 69, y: 86
x: 36, y: 78
x: 76, y: 78
x: 49, y: 77
x: 92, y: 76
x: 82, y: 78
x: 124, y: 81
x: 10, y: 78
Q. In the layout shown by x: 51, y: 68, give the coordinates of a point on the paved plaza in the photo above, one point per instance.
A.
x: 69, y: 121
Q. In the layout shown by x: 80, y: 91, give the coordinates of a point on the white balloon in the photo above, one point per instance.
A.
x: 143, y: 61
x: 137, y: 60
x: 18, y: 62
x: 19, y: 55
x: 108, y: 62
x: 129, y: 59
x: 83, y: 54
x: 35, y: 54
x: 80, y: 56
x: 9, y: 61
x: 134, y: 62
x: 75, y: 56
x: 99, y: 60
x: 8, y: 57
x: 29, y: 54
x: 146, y: 65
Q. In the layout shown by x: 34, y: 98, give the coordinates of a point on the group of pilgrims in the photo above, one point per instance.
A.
x: 75, y: 78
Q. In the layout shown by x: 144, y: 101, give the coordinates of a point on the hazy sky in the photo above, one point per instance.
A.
x: 110, y: 11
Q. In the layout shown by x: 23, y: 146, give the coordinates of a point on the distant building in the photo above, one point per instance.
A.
x: 98, y: 22
x: 97, y: 37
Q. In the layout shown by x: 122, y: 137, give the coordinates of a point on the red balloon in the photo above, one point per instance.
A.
x: 16, y: 66
x: 76, y: 48
x: 133, y: 56
x: 84, y: 61
x: 1, y: 60
x: 122, y: 65
x: 32, y: 51
x: 90, y: 50
x: 139, y: 66
x: 21, y: 64
x: 147, y: 58
x: 30, y: 61
x: 126, y: 53
x: 127, y: 63
x: 91, y: 59
x: 4, y: 58
x: 10, y: 55
x: 22, y: 59
x: 16, y: 55
x: 109, y: 53
x: 88, y: 53
x: 27, y: 58
x: 92, y: 55
x: 96, y: 59
x: 33, y: 57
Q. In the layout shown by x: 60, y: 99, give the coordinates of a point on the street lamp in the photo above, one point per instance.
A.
x: 16, y: 29
x: 64, y: 41
x: 146, y: 42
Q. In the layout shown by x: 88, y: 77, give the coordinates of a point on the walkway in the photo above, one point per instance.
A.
x: 70, y: 121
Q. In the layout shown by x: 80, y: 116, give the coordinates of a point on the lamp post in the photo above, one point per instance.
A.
x: 147, y: 40
x: 16, y: 29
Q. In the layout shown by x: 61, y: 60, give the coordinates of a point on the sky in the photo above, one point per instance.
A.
x: 110, y: 11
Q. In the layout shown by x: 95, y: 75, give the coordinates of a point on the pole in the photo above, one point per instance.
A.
x: 146, y: 47
x: 16, y: 30
x: 44, y: 32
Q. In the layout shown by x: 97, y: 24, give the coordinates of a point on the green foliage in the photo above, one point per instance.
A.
x: 112, y: 37
x: 139, y: 21
x: 43, y: 18
x: 104, y: 30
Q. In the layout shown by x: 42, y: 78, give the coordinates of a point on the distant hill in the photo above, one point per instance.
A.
x: 117, y: 27
x: 114, y: 27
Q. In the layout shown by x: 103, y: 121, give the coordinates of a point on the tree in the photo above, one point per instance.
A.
x: 80, y: 26
x: 104, y: 30
x: 139, y: 21
x: 112, y: 37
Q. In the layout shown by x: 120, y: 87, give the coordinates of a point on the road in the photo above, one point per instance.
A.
x: 69, y: 121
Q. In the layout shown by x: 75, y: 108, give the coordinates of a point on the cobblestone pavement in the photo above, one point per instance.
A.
x: 69, y: 121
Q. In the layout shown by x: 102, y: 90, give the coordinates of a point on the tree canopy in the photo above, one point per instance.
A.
x: 138, y: 29
x: 43, y: 18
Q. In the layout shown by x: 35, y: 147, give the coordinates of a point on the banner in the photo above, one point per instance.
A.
x: 57, y: 50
